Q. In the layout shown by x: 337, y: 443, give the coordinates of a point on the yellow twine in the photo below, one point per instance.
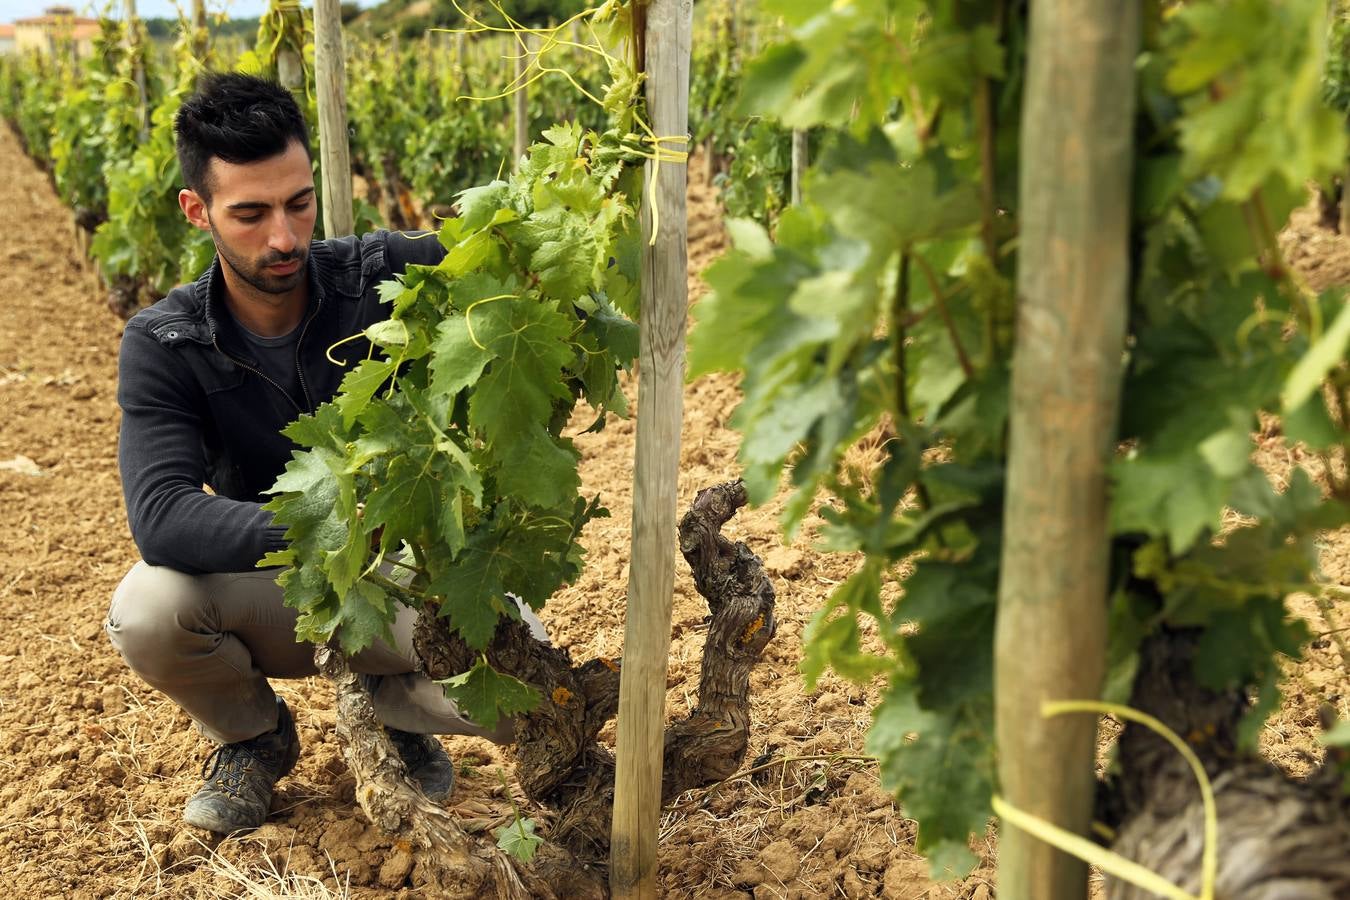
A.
x: 1106, y: 860
x: 523, y: 79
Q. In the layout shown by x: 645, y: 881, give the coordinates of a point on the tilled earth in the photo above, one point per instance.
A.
x: 95, y: 766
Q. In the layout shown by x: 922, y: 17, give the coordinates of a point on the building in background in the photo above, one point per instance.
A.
x: 57, y: 27
x: 6, y: 39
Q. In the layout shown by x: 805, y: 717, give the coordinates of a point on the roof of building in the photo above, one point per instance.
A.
x: 60, y: 18
x: 6, y: 31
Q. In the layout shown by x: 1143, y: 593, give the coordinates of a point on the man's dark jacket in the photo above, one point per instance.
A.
x: 196, y: 410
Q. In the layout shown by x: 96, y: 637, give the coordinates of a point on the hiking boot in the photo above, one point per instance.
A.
x: 240, y: 777
x: 428, y: 763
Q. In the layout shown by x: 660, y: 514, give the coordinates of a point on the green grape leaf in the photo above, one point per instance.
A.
x: 457, y: 360
x: 529, y: 341
x: 1178, y: 497
x: 834, y: 642
x: 359, y: 386
x: 538, y: 468
x: 365, y: 616
x: 954, y: 605
x: 407, y: 499
x: 478, y: 205
x: 485, y: 695
x: 941, y: 766
x: 891, y: 206
x: 1310, y: 424
x: 568, y: 251
x: 526, y: 556
x: 518, y: 839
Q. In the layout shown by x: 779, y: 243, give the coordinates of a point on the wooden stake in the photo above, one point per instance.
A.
x: 138, y: 70
x: 1345, y: 200
x: 200, y: 35
x: 330, y: 77
x: 642, y: 690
x: 520, y: 114
x: 1072, y: 284
x: 800, y: 160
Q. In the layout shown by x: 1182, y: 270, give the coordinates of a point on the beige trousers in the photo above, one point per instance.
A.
x: 210, y: 642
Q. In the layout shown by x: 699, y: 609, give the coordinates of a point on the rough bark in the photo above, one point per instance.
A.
x: 1279, y: 838
x: 559, y: 763
x: 451, y: 863
x: 710, y: 743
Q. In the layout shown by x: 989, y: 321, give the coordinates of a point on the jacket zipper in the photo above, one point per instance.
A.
x: 304, y: 388
x: 243, y: 365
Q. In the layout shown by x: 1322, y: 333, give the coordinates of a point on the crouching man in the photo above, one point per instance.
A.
x: 208, y: 377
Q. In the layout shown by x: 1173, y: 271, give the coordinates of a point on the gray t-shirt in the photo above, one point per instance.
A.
x: 276, y: 359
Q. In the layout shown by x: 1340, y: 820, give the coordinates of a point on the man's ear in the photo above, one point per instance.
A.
x: 194, y: 208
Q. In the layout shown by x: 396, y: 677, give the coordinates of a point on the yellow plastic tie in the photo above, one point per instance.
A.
x: 1108, y: 861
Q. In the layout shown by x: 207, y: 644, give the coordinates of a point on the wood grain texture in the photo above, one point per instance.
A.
x: 1073, y: 277
x: 330, y: 76
x: 637, y: 802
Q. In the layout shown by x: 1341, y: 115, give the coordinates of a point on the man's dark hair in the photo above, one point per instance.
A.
x: 238, y: 118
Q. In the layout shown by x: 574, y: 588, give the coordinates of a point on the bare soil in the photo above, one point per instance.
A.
x: 95, y: 766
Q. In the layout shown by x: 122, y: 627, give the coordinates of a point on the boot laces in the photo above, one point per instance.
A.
x: 229, y: 765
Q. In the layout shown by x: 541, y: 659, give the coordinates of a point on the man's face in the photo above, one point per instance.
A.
x: 261, y: 215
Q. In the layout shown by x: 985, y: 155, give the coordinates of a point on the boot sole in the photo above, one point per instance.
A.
x: 208, y: 822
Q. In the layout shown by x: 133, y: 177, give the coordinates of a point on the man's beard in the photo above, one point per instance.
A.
x: 256, y: 274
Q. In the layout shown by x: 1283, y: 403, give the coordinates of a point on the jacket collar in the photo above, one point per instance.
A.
x: 208, y: 290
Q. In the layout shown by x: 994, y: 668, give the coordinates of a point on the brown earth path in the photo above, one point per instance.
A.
x: 94, y: 767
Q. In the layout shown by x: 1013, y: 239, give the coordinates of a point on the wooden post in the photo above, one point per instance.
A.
x: 461, y: 60
x: 200, y: 35
x: 432, y: 60
x: 800, y: 160
x: 138, y: 68
x: 330, y: 78
x: 1345, y: 200
x: 1072, y: 286
x: 651, y: 576
x: 520, y: 109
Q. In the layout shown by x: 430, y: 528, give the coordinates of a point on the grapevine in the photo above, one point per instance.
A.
x: 444, y: 450
x: 146, y: 246
x: 99, y: 124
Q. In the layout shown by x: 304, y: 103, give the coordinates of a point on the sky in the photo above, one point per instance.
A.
x: 149, y: 9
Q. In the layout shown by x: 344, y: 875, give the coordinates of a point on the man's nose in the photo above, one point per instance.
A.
x: 281, y: 238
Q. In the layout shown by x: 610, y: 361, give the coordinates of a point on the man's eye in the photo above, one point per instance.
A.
x: 300, y: 207
x: 249, y: 220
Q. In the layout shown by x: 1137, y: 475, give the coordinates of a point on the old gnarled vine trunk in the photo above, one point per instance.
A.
x: 1279, y: 838
x: 559, y: 763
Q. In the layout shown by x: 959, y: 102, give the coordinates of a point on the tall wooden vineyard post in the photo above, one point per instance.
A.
x: 200, y: 36
x: 290, y: 67
x: 1072, y: 283
x: 138, y: 71
x: 800, y: 160
x: 330, y: 77
x: 520, y: 111
x: 651, y: 578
